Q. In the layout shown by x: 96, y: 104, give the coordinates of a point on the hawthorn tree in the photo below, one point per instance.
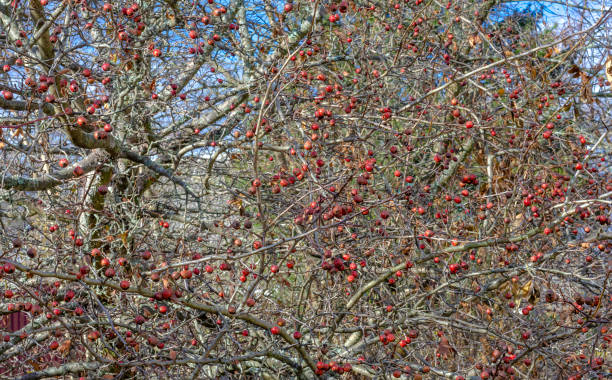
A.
x: 197, y: 189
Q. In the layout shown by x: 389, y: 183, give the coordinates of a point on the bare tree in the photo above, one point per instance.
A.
x: 199, y: 189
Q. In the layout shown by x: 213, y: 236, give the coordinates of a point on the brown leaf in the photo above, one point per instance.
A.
x: 575, y: 70
x: 123, y: 236
x: 172, y: 355
x: 445, y: 349
x: 586, y: 92
x: 236, y: 202
x: 531, y: 71
x: 486, y: 347
x: 474, y: 40
x: 609, y: 70
x: 64, y: 347
x: 34, y: 365
x: 522, y: 291
x: 550, y: 52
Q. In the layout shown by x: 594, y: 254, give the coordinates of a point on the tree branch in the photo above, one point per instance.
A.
x: 47, y: 181
x: 62, y: 370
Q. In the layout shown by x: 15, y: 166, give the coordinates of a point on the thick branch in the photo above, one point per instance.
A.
x: 62, y: 370
x: 47, y: 181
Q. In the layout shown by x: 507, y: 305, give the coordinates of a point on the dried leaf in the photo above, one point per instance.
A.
x: 237, y: 202
x: 445, y: 349
x: 64, y: 347
x: 609, y: 70
x: 474, y: 40
x: 586, y: 92
x: 34, y: 365
x: 486, y: 347
x: 531, y: 71
x: 523, y: 291
x: 549, y: 53
x: 123, y: 237
x: 172, y: 355
x: 574, y: 70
